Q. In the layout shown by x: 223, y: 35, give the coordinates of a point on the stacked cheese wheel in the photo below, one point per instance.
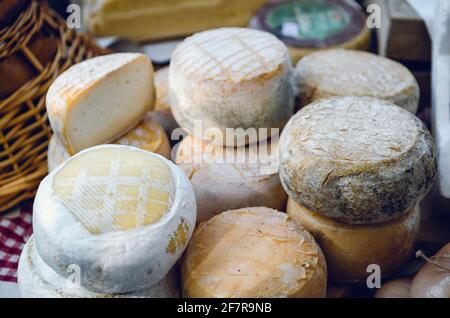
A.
x: 110, y: 221
x: 106, y: 99
x: 231, y: 89
x: 355, y: 169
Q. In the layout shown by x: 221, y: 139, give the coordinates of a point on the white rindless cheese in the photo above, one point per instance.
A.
x: 359, y: 160
x: 100, y: 99
x: 253, y: 252
x: 231, y: 78
x: 148, y: 135
x: 350, y: 249
x: 340, y: 72
x: 122, y: 214
x: 231, y: 178
x: 37, y: 280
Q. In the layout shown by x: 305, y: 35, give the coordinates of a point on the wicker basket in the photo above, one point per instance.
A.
x: 35, y: 50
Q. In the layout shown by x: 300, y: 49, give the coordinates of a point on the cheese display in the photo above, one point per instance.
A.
x: 339, y: 72
x: 306, y: 26
x: 433, y: 280
x: 98, y: 100
x: 231, y: 78
x: 158, y: 19
x: 253, y: 252
x: 37, y: 280
x: 121, y: 214
x: 162, y: 112
x: 148, y: 135
x: 349, y: 249
x: 231, y: 178
x: 359, y: 160
x: 397, y: 288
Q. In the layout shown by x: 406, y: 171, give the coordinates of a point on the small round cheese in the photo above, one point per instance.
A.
x: 231, y: 178
x: 37, y: 280
x: 253, y: 253
x: 231, y: 78
x: 122, y: 214
x: 98, y: 100
x: 359, y: 160
x: 349, y: 249
x: 162, y: 112
x: 397, y: 288
x: 340, y: 72
x: 148, y: 135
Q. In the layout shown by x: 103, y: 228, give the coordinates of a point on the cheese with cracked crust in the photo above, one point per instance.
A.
x: 255, y: 253
x: 122, y: 214
x: 231, y: 178
x: 340, y: 72
x: 37, y: 280
x: 148, y: 135
x: 98, y: 100
x: 359, y: 160
x: 231, y: 78
x: 350, y: 249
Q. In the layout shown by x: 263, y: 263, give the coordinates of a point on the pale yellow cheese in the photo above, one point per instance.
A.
x: 163, y: 112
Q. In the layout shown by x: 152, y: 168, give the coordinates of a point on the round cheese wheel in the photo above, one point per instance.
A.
x: 339, y: 72
x: 162, y: 112
x: 231, y: 78
x: 253, y: 252
x: 359, y: 160
x: 148, y: 135
x: 121, y: 214
x: 100, y: 99
x: 397, y: 288
x: 349, y: 249
x: 37, y: 280
x: 231, y: 178
x: 433, y: 280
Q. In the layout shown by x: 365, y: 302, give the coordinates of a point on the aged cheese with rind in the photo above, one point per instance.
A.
x: 340, y: 72
x: 350, y: 249
x: 397, y: 288
x: 148, y: 135
x: 122, y: 214
x: 356, y: 159
x: 98, y: 100
x: 163, y: 112
x: 253, y: 252
x: 231, y: 178
x: 231, y: 78
x: 37, y: 280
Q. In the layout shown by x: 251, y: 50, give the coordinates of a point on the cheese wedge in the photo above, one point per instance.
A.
x: 339, y: 72
x: 148, y: 135
x: 254, y: 253
x: 359, y: 160
x: 157, y: 19
x: 231, y: 78
x: 350, y: 249
x: 37, y: 280
x: 100, y: 99
x: 122, y: 214
x: 163, y: 112
x: 231, y: 178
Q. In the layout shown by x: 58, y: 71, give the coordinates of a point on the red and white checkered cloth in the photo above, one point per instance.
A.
x: 14, y: 232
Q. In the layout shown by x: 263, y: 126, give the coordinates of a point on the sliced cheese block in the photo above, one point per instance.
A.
x: 253, y: 253
x: 231, y: 178
x: 162, y: 112
x: 433, y: 280
x: 37, y: 280
x: 350, y: 249
x: 397, y: 288
x: 356, y: 159
x: 339, y: 72
x: 148, y: 135
x: 157, y: 19
x: 100, y: 99
x: 231, y: 78
x: 122, y: 214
